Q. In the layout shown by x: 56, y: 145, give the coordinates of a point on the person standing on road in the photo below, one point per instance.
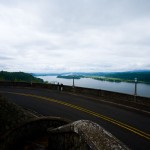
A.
x: 58, y: 87
x: 61, y: 87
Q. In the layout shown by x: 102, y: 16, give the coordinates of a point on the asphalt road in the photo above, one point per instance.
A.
x: 131, y: 127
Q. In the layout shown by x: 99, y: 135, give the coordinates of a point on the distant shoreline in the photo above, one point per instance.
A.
x: 100, y: 78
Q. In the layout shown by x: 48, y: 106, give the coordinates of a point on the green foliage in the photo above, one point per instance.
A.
x: 108, y: 79
x: 46, y: 82
x: 130, y: 76
x: 18, y: 77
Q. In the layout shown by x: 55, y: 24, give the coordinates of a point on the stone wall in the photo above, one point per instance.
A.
x: 83, y: 134
x: 12, y: 115
x: 142, y: 103
x: 138, y: 102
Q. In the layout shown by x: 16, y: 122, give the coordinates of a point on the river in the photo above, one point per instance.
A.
x: 121, y: 87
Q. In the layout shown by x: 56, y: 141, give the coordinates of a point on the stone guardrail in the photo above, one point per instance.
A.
x: 142, y: 103
x: 83, y: 134
x: 20, y: 129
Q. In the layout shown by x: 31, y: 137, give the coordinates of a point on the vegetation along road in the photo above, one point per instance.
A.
x: 131, y: 127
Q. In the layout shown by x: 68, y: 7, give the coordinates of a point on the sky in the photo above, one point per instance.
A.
x: 49, y: 36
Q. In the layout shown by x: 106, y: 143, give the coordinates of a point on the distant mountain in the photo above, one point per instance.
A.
x: 129, y: 76
x: 139, y: 71
x: 142, y: 76
x: 18, y: 76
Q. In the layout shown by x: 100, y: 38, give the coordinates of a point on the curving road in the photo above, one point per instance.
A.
x: 131, y: 127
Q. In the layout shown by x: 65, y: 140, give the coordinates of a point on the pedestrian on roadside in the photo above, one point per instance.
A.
x: 61, y: 87
x: 58, y: 86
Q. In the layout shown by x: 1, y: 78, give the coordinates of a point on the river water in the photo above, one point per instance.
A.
x: 121, y: 87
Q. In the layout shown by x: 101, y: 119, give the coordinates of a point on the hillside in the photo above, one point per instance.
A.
x: 142, y: 76
x: 130, y: 76
x: 18, y: 76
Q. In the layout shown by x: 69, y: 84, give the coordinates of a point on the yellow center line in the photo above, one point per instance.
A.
x: 113, y: 121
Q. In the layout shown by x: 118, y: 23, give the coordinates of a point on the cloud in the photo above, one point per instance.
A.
x: 81, y: 35
x: 5, y: 58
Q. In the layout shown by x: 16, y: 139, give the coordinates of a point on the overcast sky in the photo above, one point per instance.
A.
x: 74, y: 35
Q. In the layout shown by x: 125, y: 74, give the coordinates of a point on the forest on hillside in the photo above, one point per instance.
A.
x: 141, y: 76
x: 18, y: 77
